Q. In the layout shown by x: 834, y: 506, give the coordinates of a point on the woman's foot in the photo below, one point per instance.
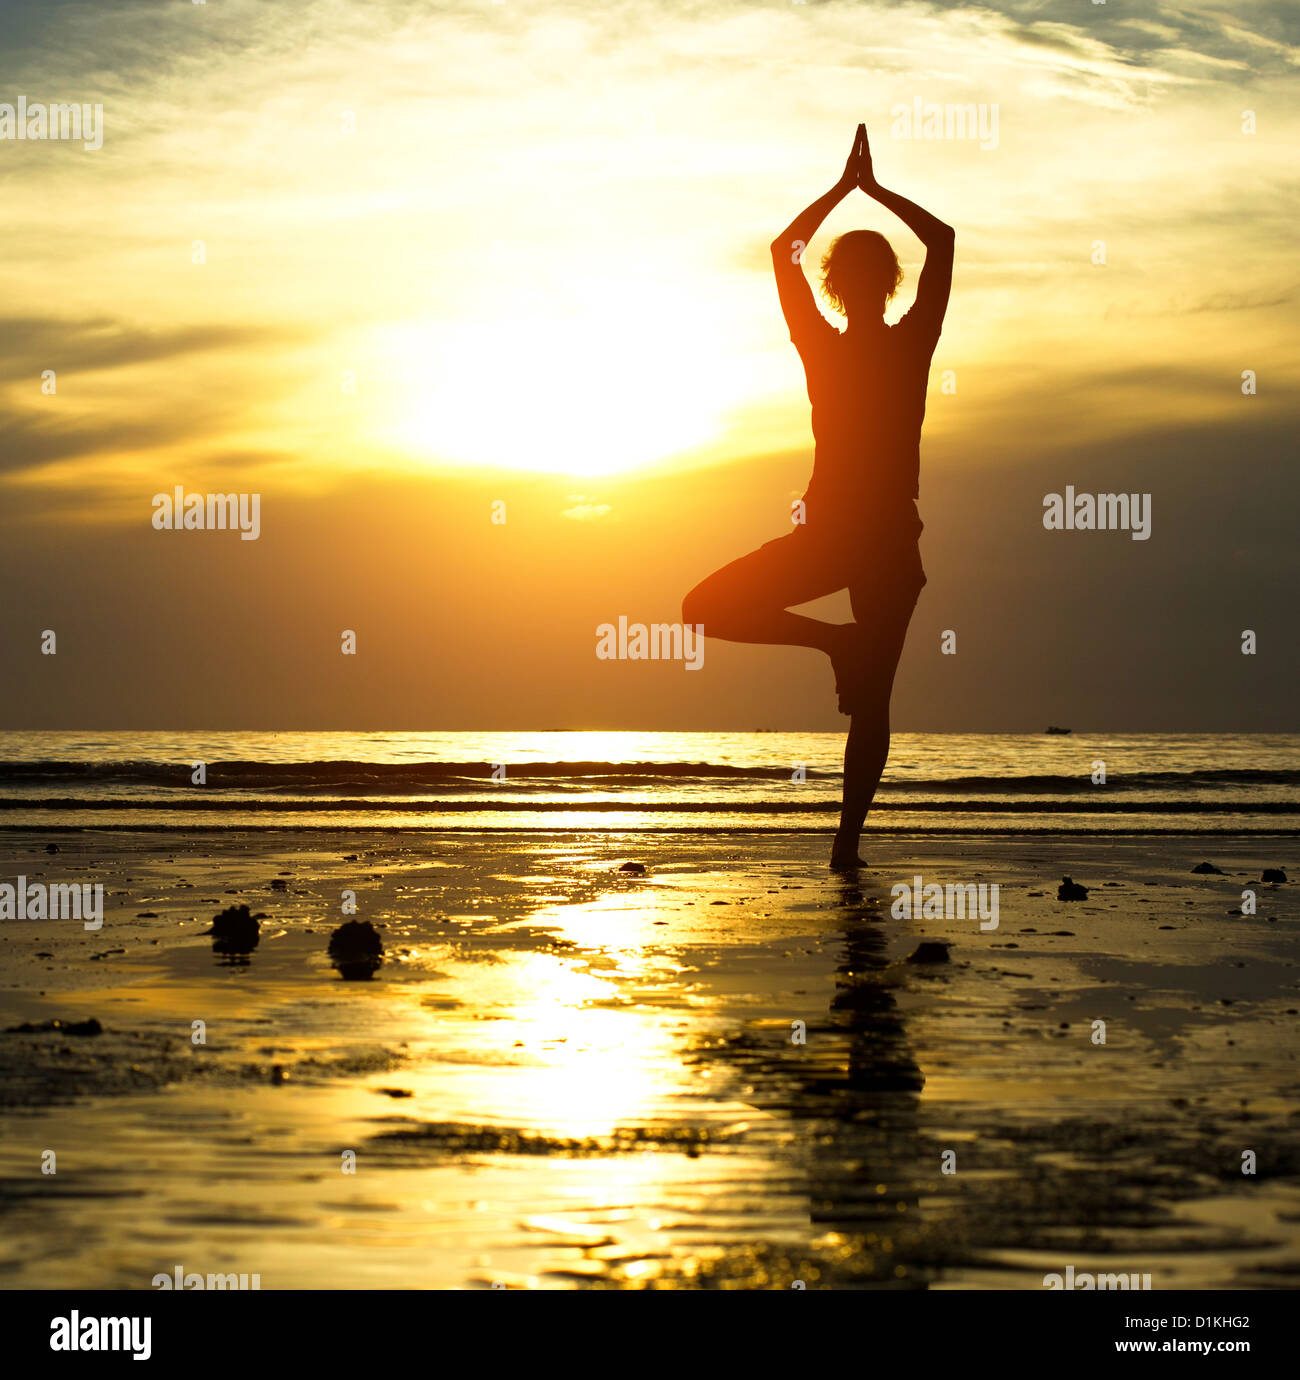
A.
x: 849, y: 663
x: 844, y: 855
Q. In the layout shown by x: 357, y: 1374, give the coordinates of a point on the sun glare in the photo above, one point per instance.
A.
x: 622, y: 379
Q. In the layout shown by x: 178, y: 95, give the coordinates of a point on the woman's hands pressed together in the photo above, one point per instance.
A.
x: 852, y: 176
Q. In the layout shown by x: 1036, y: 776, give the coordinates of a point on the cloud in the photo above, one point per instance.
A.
x: 583, y: 511
x: 102, y: 343
x: 129, y: 391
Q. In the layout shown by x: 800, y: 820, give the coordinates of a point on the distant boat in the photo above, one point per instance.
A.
x: 1052, y: 728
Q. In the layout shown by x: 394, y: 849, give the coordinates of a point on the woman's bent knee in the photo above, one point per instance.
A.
x: 700, y: 605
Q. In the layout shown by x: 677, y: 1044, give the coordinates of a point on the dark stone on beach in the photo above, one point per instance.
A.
x: 234, y: 931
x: 51, y: 847
x: 279, y: 884
x: 1070, y: 890
x: 1272, y: 874
x: 356, y: 950
x: 90, y: 1027
x: 406, y: 1092
x: 355, y: 939
x: 349, y: 857
x: 1208, y: 867
x: 635, y: 868
x: 930, y: 951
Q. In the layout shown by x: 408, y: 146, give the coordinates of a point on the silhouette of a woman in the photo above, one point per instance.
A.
x: 860, y: 526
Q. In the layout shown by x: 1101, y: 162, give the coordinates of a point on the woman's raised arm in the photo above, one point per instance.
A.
x: 794, y: 238
x: 936, y: 277
x: 787, y: 249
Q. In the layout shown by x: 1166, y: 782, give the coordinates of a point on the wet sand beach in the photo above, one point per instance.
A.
x: 729, y: 1070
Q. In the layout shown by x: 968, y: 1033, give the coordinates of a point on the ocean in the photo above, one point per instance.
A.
x: 935, y: 783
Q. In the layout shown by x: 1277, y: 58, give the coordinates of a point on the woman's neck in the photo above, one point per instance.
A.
x: 864, y: 325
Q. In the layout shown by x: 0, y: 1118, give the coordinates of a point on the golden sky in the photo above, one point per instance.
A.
x: 454, y: 253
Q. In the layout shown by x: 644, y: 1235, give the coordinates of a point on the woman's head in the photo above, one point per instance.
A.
x: 860, y: 273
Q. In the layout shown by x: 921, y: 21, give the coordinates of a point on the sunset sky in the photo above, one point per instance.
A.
x: 458, y: 254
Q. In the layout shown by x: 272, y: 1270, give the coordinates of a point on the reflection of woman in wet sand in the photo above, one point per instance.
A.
x: 867, y: 388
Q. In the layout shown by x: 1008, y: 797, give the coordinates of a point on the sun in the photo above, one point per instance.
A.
x: 627, y: 377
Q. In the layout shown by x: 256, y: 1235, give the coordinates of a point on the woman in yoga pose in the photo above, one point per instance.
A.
x: 858, y: 526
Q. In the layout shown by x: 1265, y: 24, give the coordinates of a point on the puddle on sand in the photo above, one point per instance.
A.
x: 567, y: 1078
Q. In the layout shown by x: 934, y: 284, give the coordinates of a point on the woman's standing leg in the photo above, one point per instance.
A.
x: 865, y: 755
x: 882, y: 617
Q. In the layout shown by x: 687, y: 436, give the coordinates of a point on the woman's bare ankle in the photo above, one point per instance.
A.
x: 844, y: 851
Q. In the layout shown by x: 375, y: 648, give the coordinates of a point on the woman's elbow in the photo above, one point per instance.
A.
x: 939, y: 242
x: 786, y: 249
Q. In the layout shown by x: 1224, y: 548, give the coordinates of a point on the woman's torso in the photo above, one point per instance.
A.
x: 867, y: 392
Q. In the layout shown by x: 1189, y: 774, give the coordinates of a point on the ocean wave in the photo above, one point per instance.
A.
x: 344, y: 777
x: 202, y: 802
